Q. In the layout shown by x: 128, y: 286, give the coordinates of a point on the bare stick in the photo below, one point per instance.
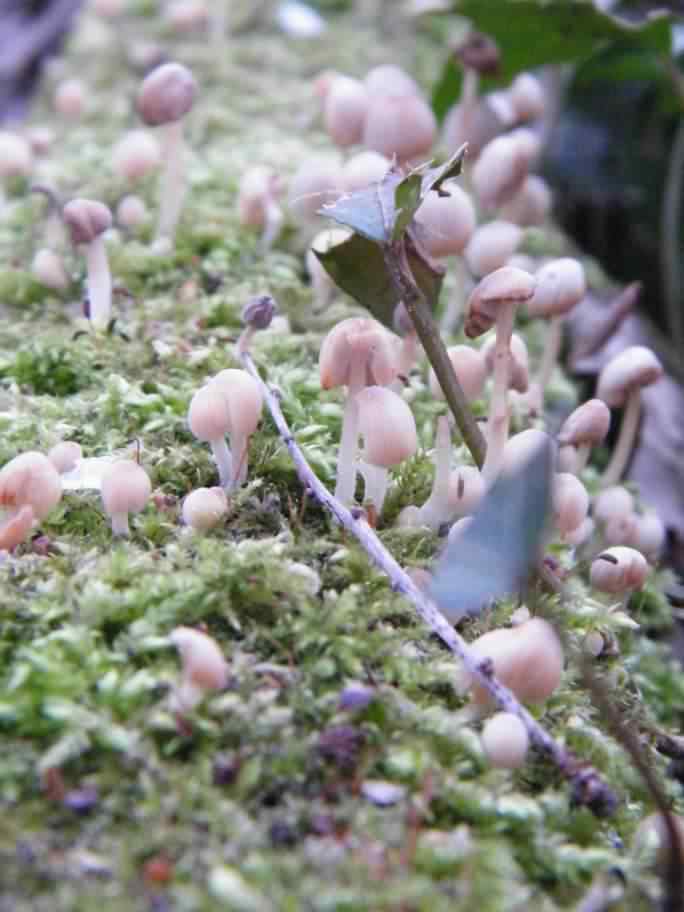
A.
x: 587, y: 786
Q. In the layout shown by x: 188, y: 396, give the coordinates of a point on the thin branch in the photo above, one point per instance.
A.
x: 670, y: 233
x: 587, y: 786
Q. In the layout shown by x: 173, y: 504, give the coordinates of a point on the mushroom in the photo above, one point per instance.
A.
x: 471, y: 372
x: 519, y: 379
x: 136, y: 155
x: 527, y: 96
x: 30, y: 487
x: 316, y: 182
x: 618, y: 570
x: 258, y: 204
x: 344, y: 111
x: 204, y: 667
x: 500, y: 171
x: 531, y: 205
x: 389, y: 79
x: 570, y: 503
x: 164, y: 98
x: 242, y: 394
x: 204, y: 508
x: 65, y: 455
x: 364, y: 169
x: 492, y: 303
x: 584, y: 428
x: 126, y: 488
x: 70, y: 99
x: 388, y: 429
x: 478, y: 55
x: 491, y: 246
x: 620, y: 384
x: 131, y: 212
x: 87, y: 221
x: 48, y: 268
x: 614, y: 510
x: 505, y: 741
x: 357, y: 352
x: 399, y: 125
x: 209, y: 420
x: 649, y: 536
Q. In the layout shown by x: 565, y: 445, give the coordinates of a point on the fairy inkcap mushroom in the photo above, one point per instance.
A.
x: 491, y: 246
x: 614, y: 511
x: 479, y: 56
x: 204, y: 508
x: 344, y: 111
x: 126, y: 488
x: 30, y: 487
x: 649, y: 536
x: 209, y: 420
x: 505, y: 741
x: 519, y: 364
x: 584, y: 428
x: 527, y: 96
x: 87, y: 221
x: 164, y: 98
x: 136, y: 155
x: 500, y: 171
x: 204, y: 668
x: 243, y: 397
x: 618, y: 570
x: 357, y: 352
x: 493, y: 303
x: 388, y: 429
x: 131, y: 212
x: 399, y: 125
x: 447, y: 221
x: 619, y: 385
x: 389, y: 79
x: 470, y: 368
x: 316, y: 182
x: 570, y: 502
x: 531, y: 205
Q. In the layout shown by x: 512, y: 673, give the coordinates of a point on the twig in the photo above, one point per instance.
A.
x: 670, y: 232
x: 587, y: 786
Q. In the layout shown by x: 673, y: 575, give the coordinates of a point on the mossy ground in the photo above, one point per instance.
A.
x: 258, y: 803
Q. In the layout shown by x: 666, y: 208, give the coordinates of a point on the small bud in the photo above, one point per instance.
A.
x: 505, y: 741
x: 259, y: 311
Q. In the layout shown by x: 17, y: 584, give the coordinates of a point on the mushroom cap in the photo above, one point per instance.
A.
x: 387, y: 426
x: 204, y: 664
x: 16, y: 157
x: 532, y: 203
x: 316, y: 181
x: 560, y: 285
x: 126, y: 488
x: 166, y: 94
x: 344, y: 111
x: 649, y: 535
x: 209, y: 415
x: 16, y: 528
x: 131, y: 212
x: 500, y: 171
x: 203, y: 508
x: 399, y: 125
x: 86, y: 219
x: 491, y: 246
x: 70, y: 98
x: 614, y: 502
x: 65, y: 455
x: 135, y: 155
x: 389, y: 79
x: 506, y: 285
x: 470, y: 369
x: 364, y: 169
x: 447, y: 221
x: 505, y: 741
x: 633, y: 368
x: 479, y: 52
x: 30, y: 479
x: 358, y: 337
x: 528, y: 659
x: 467, y: 487
x: 618, y: 569
x: 48, y: 268
x: 527, y: 96
x: 589, y: 423
x: 519, y: 361
x: 258, y: 186
x: 570, y: 502
x: 242, y: 394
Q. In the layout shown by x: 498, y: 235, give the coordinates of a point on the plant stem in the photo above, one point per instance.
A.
x: 587, y: 786
x: 670, y: 232
x: 428, y: 333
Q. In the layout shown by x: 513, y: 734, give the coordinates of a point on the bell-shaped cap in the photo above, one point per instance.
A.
x: 363, y: 338
x: 560, y: 285
x: 633, y: 368
x: 86, y: 219
x: 166, y: 94
x: 387, y: 426
x: 470, y: 369
x: 507, y: 285
x: 589, y: 423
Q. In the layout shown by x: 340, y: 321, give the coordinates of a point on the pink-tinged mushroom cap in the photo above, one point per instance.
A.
x: 470, y: 369
x: 618, y: 570
x: 632, y: 369
x: 560, y: 285
x: 387, y: 426
x: 570, y: 502
x: 503, y: 286
x: 399, y: 125
x: 447, y: 221
x: 491, y: 246
x: 166, y: 94
x: 126, y: 488
x: 86, y: 219
x: 358, y: 337
x: 344, y: 111
x: 209, y: 414
x: 589, y: 423
x: 243, y: 396
x: 30, y: 479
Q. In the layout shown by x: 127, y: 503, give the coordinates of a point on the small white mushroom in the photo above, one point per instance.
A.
x: 87, y: 221
x: 345, y: 110
x: 64, y: 455
x: 204, y: 668
x: 243, y: 396
x: 136, y: 155
x: 30, y: 487
x: 126, y: 488
x: 570, y: 503
x: 204, y: 508
x: 505, y: 741
x: 491, y: 246
x: 584, y: 428
x: 48, y: 268
x: 399, y: 125
x: 618, y: 570
x: 364, y: 169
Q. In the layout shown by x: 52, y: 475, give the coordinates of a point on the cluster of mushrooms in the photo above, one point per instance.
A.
x: 478, y: 232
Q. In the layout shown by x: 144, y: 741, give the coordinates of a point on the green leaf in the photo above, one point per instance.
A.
x: 433, y: 178
x: 372, y: 211
x: 531, y: 33
x: 407, y: 200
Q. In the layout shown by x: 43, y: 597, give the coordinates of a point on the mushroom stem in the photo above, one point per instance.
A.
x: 120, y: 524
x: 623, y: 447
x: 497, y: 426
x: 375, y: 479
x: 552, y: 346
x: 469, y: 87
x: 435, y: 510
x: 349, y: 440
x: 99, y: 283
x: 171, y: 185
x: 272, y: 226
x: 224, y: 461
x: 582, y: 458
x: 238, y: 449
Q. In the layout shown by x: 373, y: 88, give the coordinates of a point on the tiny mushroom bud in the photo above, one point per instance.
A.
x: 618, y: 570
x: 30, y: 487
x: 242, y: 394
x: 357, y: 352
x: 65, y: 455
x: 344, y: 111
x: 570, y: 503
x: 87, y: 221
x: 321, y: 282
x: 500, y: 171
x: 527, y: 96
x: 528, y: 659
x: 131, y: 213
x: 209, y: 420
x: 620, y: 384
x: 136, y: 155
x: 491, y: 246
x: 126, y: 488
x: 204, y: 667
x: 164, y: 98
x: 584, y: 428
x: 448, y: 221
x: 649, y: 536
x: 493, y: 302
x: 258, y: 203
x: 204, y: 508
x: 505, y: 741
x: 364, y: 169
x: 70, y: 99
x: 399, y: 125
x: 388, y: 429
x: 48, y: 268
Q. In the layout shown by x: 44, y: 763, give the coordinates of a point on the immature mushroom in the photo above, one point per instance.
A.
x: 164, y: 98
x: 30, y: 487
x: 357, y: 352
x: 65, y: 455
x: 493, y: 303
x: 87, y: 221
x: 649, y: 536
x: 614, y: 510
x: 491, y: 246
x: 243, y: 396
x: 131, y: 212
x: 619, y: 385
x: 570, y: 503
x: 204, y: 508
x: 136, y: 155
x: 619, y: 570
x: 479, y: 56
x: 204, y: 667
x: 209, y: 420
x: 389, y: 79
x: 519, y: 379
x: 531, y: 205
x: 527, y: 96
x: 48, y: 268
x: 399, y: 125
x: 258, y: 205
x: 126, y: 488
x: 345, y: 110
x: 505, y: 741
x: 316, y: 182
x: 70, y: 99
x: 584, y: 428
x: 500, y: 171
x: 388, y: 429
